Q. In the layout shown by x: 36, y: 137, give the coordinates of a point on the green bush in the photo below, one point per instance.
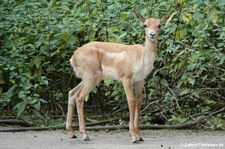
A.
x: 37, y: 39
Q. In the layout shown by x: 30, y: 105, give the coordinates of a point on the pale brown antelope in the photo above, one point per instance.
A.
x: 131, y: 64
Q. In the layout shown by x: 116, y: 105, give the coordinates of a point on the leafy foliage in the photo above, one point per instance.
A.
x: 37, y: 39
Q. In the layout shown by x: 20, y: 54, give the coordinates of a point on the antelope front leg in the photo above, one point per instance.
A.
x: 139, y: 98
x: 131, y: 104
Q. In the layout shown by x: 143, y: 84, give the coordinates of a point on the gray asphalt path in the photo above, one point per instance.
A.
x: 160, y: 139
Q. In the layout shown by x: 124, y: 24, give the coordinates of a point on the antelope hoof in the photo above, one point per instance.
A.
x: 86, y: 138
x: 134, y: 140
x: 140, y: 139
x: 73, y: 137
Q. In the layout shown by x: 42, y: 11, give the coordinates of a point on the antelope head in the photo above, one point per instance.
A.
x: 152, y: 25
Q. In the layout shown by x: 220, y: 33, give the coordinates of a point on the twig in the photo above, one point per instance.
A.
x: 146, y: 107
x: 114, y: 127
x: 90, y: 120
x: 15, y: 122
x: 210, y: 115
x: 178, y: 106
x: 182, y: 126
x: 64, y: 115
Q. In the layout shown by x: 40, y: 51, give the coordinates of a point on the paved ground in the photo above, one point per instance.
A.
x: 158, y: 139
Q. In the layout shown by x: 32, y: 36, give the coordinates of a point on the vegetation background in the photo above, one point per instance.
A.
x: 37, y: 39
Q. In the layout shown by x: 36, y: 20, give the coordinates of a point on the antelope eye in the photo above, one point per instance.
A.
x: 159, y: 25
x: 145, y: 26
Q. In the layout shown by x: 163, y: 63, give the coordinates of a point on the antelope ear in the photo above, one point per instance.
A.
x: 166, y: 17
x: 139, y: 16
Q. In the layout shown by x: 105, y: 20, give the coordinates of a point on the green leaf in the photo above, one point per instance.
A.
x: 187, y: 17
x: 164, y: 82
x: 122, y: 35
x: 22, y: 94
x: 11, y: 92
x: 196, y: 94
x: 191, y: 81
x: 186, y: 91
x: 65, y: 37
x: 123, y: 15
x: 20, y: 107
x: 43, y: 101
x: 52, y: 3
x: 37, y: 106
x: 37, y: 62
x: 108, y: 82
x: 94, y: 90
x: 66, y: 8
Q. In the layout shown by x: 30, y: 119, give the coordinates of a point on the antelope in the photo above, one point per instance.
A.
x: 130, y: 64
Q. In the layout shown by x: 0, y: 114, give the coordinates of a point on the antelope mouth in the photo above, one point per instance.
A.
x: 151, y: 38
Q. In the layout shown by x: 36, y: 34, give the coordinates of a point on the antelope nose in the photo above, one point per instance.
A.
x: 152, y: 34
